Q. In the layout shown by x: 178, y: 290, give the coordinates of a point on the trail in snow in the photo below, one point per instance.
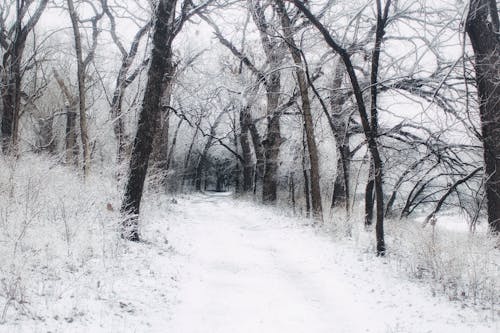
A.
x: 249, y: 270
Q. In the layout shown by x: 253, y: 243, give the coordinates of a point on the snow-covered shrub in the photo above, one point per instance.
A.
x: 459, y: 264
x: 54, y: 229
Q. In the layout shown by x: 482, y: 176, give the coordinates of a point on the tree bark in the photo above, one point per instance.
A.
x: 244, y: 139
x: 148, y: 118
x: 483, y: 29
x: 369, y: 196
x: 273, y: 141
x: 340, y: 127
x: 317, y: 208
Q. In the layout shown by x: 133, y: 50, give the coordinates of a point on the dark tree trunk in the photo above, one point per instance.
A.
x: 148, y: 118
x: 369, y: 196
x: 483, y: 29
x: 307, y: 192
x: 272, y: 149
x: 292, y: 191
x: 12, y: 71
x: 307, y: 183
x: 11, y: 105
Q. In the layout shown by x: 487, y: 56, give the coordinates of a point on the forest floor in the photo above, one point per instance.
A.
x: 214, y: 264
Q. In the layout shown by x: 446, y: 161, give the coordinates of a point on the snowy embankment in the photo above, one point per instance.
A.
x: 214, y: 264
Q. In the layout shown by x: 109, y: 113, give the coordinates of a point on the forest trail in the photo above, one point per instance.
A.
x: 250, y: 270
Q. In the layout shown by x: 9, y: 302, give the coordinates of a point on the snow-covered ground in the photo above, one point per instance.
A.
x: 249, y: 270
x: 211, y: 263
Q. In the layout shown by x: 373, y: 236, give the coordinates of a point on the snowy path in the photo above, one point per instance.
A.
x: 251, y: 271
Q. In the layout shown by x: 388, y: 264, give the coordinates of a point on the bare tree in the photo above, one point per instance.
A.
x: 483, y: 27
x: 369, y: 122
x: 82, y: 64
x: 126, y: 75
x: 12, y: 42
x: 288, y: 33
x: 166, y: 27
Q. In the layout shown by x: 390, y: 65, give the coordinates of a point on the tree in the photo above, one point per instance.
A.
x: 13, y: 41
x: 166, y: 27
x: 288, y: 35
x: 483, y: 27
x: 124, y: 78
x: 368, y: 121
x: 82, y: 64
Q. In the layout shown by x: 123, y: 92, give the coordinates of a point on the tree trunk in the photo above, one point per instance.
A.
x: 369, y: 123
x: 258, y: 149
x: 273, y: 141
x: 148, y: 118
x: 340, y: 196
x: 317, y: 209
x: 271, y: 152
x: 340, y: 128
x: 246, y: 149
x: 482, y: 27
x: 189, y: 153
x: 369, y: 196
x: 11, y: 105
x: 81, y: 88
x: 12, y: 71
x: 72, y: 150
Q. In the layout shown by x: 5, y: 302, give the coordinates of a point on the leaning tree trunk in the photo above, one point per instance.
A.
x: 317, y: 208
x: 482, y: 26
x: 148, y: 118
x: 369, y: 123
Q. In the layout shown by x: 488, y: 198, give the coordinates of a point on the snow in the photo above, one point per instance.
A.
x: 251, y: 270
x: 211, y: 263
